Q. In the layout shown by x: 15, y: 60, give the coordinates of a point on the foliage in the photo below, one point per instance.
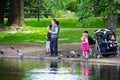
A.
x: 89, y: 8
x: 84, y: 11
x: 33, y: 7
x: 111, y: 7
x: 56, y: 4
x: 64, y: 14
x: 72, y: 6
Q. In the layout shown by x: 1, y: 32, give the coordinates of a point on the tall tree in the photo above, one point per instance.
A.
x: 2, y: 9
x: 108, y: 9
x: 16, y: 13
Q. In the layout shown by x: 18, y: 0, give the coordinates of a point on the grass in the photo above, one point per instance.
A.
x: 31, y: 36
x: 95, y: 23
x: 66, y: 23
x: 36, y: 31
x: 71, y: 36
x: 38, y: 35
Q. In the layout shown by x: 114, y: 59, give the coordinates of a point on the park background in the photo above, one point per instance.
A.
x: 25, y: 21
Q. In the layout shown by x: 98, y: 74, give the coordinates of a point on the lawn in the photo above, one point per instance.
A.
x: 68, y: 23
x: 35, y: 31
x: 38, y: 35
x: 64, y: 23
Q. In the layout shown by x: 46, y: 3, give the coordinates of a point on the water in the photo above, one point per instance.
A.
x: 15, y: 69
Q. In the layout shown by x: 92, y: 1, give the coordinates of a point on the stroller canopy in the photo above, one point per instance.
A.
x: 104, y: 33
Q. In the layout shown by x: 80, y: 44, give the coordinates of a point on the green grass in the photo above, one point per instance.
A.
x: 36, y: 23
x: 66, y: 23
x: 72, y: 36
x: 96, y: 23
x: 38, y: 35
x: 35, y: 31
x: 31, y: 36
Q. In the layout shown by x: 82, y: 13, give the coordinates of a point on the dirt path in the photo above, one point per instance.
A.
x: 34, y: 50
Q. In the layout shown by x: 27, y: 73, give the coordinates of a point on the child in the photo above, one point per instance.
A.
x: 111, y: 40
x: 85, y: 46
x: 91, y: 44
x: 48, y: 37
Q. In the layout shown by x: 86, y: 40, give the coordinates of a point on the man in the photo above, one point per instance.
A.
x: 91, y: 43
x: 54, y: 38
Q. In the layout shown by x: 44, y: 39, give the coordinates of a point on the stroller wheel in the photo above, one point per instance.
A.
x: 98, y: 56
x: 90, y: 56
x: 117, y: 55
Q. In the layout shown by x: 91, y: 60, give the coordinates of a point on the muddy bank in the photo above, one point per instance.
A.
x: 29, y: 49
x: 32, y: 51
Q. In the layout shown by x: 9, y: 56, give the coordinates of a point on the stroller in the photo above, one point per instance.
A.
x: 104, y: 47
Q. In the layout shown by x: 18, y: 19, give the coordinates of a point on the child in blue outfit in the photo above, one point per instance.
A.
x: 112, y: 42
x: 48, y: 37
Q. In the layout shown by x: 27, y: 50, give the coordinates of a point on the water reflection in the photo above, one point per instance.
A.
x: 107, y: 72
x: 85, y: 70
x: 9, y: 70
x: 53, y: 67
x: 54, y: 70
x: 73, y: 68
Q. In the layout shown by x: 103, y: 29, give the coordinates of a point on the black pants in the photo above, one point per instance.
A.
x: 54, y: 46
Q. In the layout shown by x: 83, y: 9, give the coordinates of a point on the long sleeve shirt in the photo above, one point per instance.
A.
x: 54, y: 31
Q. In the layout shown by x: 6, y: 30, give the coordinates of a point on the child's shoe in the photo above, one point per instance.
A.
x: 83, y: 56
x: 87, y: 57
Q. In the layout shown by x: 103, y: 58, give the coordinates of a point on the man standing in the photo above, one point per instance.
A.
x: 54, y: 38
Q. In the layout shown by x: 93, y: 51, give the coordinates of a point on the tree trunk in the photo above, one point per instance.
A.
x: 2, y: 10
x: 111, y: 22
x: 16, y: 14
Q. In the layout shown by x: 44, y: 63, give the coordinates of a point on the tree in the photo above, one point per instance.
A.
x: 16, y: 13
x: 72, y: 6
x: 84, y: 11
x: 111, y: 13
x: 108, y: 9
x: 2, y: 10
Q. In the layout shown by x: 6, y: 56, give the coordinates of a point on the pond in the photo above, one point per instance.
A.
x: 31, y: 69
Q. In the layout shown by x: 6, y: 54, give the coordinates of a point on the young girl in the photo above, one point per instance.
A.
x: 85, y: 45
x: 48, y: 37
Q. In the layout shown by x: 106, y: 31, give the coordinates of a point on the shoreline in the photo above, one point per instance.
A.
x: 110, y: 60
x: 32, y: 51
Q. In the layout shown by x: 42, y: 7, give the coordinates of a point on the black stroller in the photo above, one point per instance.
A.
x: 104, y: 47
